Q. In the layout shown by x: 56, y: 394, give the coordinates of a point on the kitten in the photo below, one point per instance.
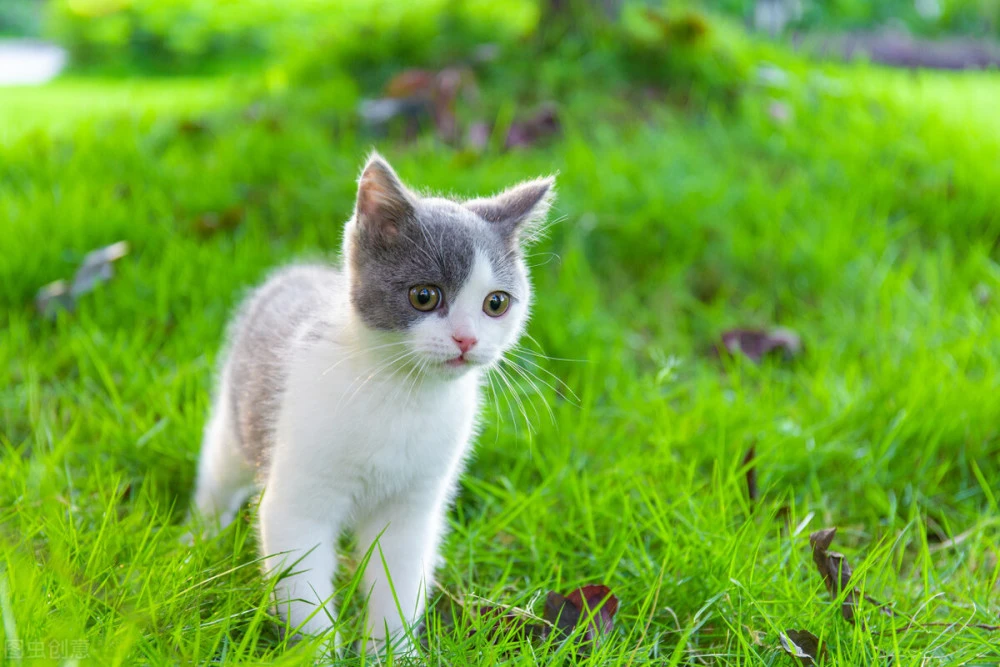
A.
x: 350, y: 395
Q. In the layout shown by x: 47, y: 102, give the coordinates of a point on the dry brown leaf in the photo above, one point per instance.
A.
x: 565, y: 613
x: 835, y: 570
x: 750, y: 461
x: 802, y: 645
x: 755, y: 344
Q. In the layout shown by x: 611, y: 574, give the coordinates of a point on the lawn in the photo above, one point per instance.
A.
x: 857, y: 207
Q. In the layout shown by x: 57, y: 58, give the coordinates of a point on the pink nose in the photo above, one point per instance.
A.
x: 464, y: 343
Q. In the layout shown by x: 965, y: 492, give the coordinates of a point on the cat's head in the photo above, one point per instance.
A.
x: 446, y: 278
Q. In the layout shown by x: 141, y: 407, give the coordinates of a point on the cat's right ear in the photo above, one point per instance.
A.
x: 518, y: 212
x: 384, y: 204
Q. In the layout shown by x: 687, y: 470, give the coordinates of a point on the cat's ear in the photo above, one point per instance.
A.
x: 518, y: 212
x: 384, y: 204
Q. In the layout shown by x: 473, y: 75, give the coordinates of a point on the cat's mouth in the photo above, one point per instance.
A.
x: 457, y: 362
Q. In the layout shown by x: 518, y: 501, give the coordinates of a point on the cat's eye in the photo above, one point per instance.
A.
x: 425, y: 297
x: 496, y: 304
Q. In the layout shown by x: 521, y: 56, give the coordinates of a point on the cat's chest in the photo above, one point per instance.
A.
x: 375, y: 425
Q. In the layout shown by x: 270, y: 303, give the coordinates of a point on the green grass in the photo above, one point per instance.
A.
x: 62, y: 106
x: 868, y: 223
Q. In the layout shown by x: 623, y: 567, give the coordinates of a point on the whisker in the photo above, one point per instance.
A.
x: 357, y: 351
x: 394, y: 360
x: 517, y: 399
x: 550, y: 256
x: 561, y: 383
x: 528, y: 378
x: 418, y: 377
x: 506, y: 398
x: 496, y: 405
x: 401, y: 385
x: 540, y: 353
x: 517, y: 387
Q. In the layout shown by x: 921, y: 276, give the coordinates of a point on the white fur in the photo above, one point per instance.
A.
x: 368, y: 442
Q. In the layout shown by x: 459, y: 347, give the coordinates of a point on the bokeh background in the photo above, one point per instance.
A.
x: 767, y: 304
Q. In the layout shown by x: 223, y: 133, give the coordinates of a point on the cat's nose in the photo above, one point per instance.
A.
x: 464, y: 343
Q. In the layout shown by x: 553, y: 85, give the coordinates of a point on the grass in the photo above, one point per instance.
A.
x: 868, y: 223
x: 61, y: 107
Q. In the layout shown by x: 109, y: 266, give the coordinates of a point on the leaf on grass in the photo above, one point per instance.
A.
x: 835, y: 570
x: 414, y: 95
x: 529, y: 131
x: 410, y: 83
x: 755, y: 344
x: 595, y: 606
x: 95, y: 269
x: 802, y: 645
x: 750, y: 461
x: 504, y: 622
x: 565, y: 613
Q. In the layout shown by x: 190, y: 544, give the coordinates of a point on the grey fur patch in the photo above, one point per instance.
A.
x: 402, y: 240
x: 262, y: 336
x: 435, y: 246
x: 517, y: 212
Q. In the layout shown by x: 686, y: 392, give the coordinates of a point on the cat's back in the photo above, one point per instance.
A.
x: 261, y: 339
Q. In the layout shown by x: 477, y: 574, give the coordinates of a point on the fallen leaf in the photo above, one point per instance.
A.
x: 802, y: 645
x: 565, y: 612
x: 417, y: 94
x: 750, y: 461
x: 593, y: 605
x: 53, y: 297
x: 410, y: 83
x: 755, y: 344
x: 529, y: 131
x: 835, y: 570
x: 95, y: 269
x: 501, y: 622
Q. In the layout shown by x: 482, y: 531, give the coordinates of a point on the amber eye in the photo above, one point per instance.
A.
x: 425, y: 297
x: 496, y: 304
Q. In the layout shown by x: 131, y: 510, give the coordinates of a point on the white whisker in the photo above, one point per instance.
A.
x: 524, y: 373
x: 517, y: 399
x: 564, y: 387
x: 361, y: 350
x: 506, y: 398
x: 540, y: 353
x: 378, y: 370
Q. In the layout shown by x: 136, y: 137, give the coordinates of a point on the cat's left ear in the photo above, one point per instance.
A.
x: 384, y: 204
x: 517, y: 213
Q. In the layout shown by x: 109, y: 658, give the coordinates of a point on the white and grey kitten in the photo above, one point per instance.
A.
x: 349, y: 395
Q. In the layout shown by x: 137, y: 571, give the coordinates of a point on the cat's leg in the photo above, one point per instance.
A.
x: 225, y: 479
x: 403, y: 537
x: 301, y: 546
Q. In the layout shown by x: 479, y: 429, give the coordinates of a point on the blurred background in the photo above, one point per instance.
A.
x: 775, y: 242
